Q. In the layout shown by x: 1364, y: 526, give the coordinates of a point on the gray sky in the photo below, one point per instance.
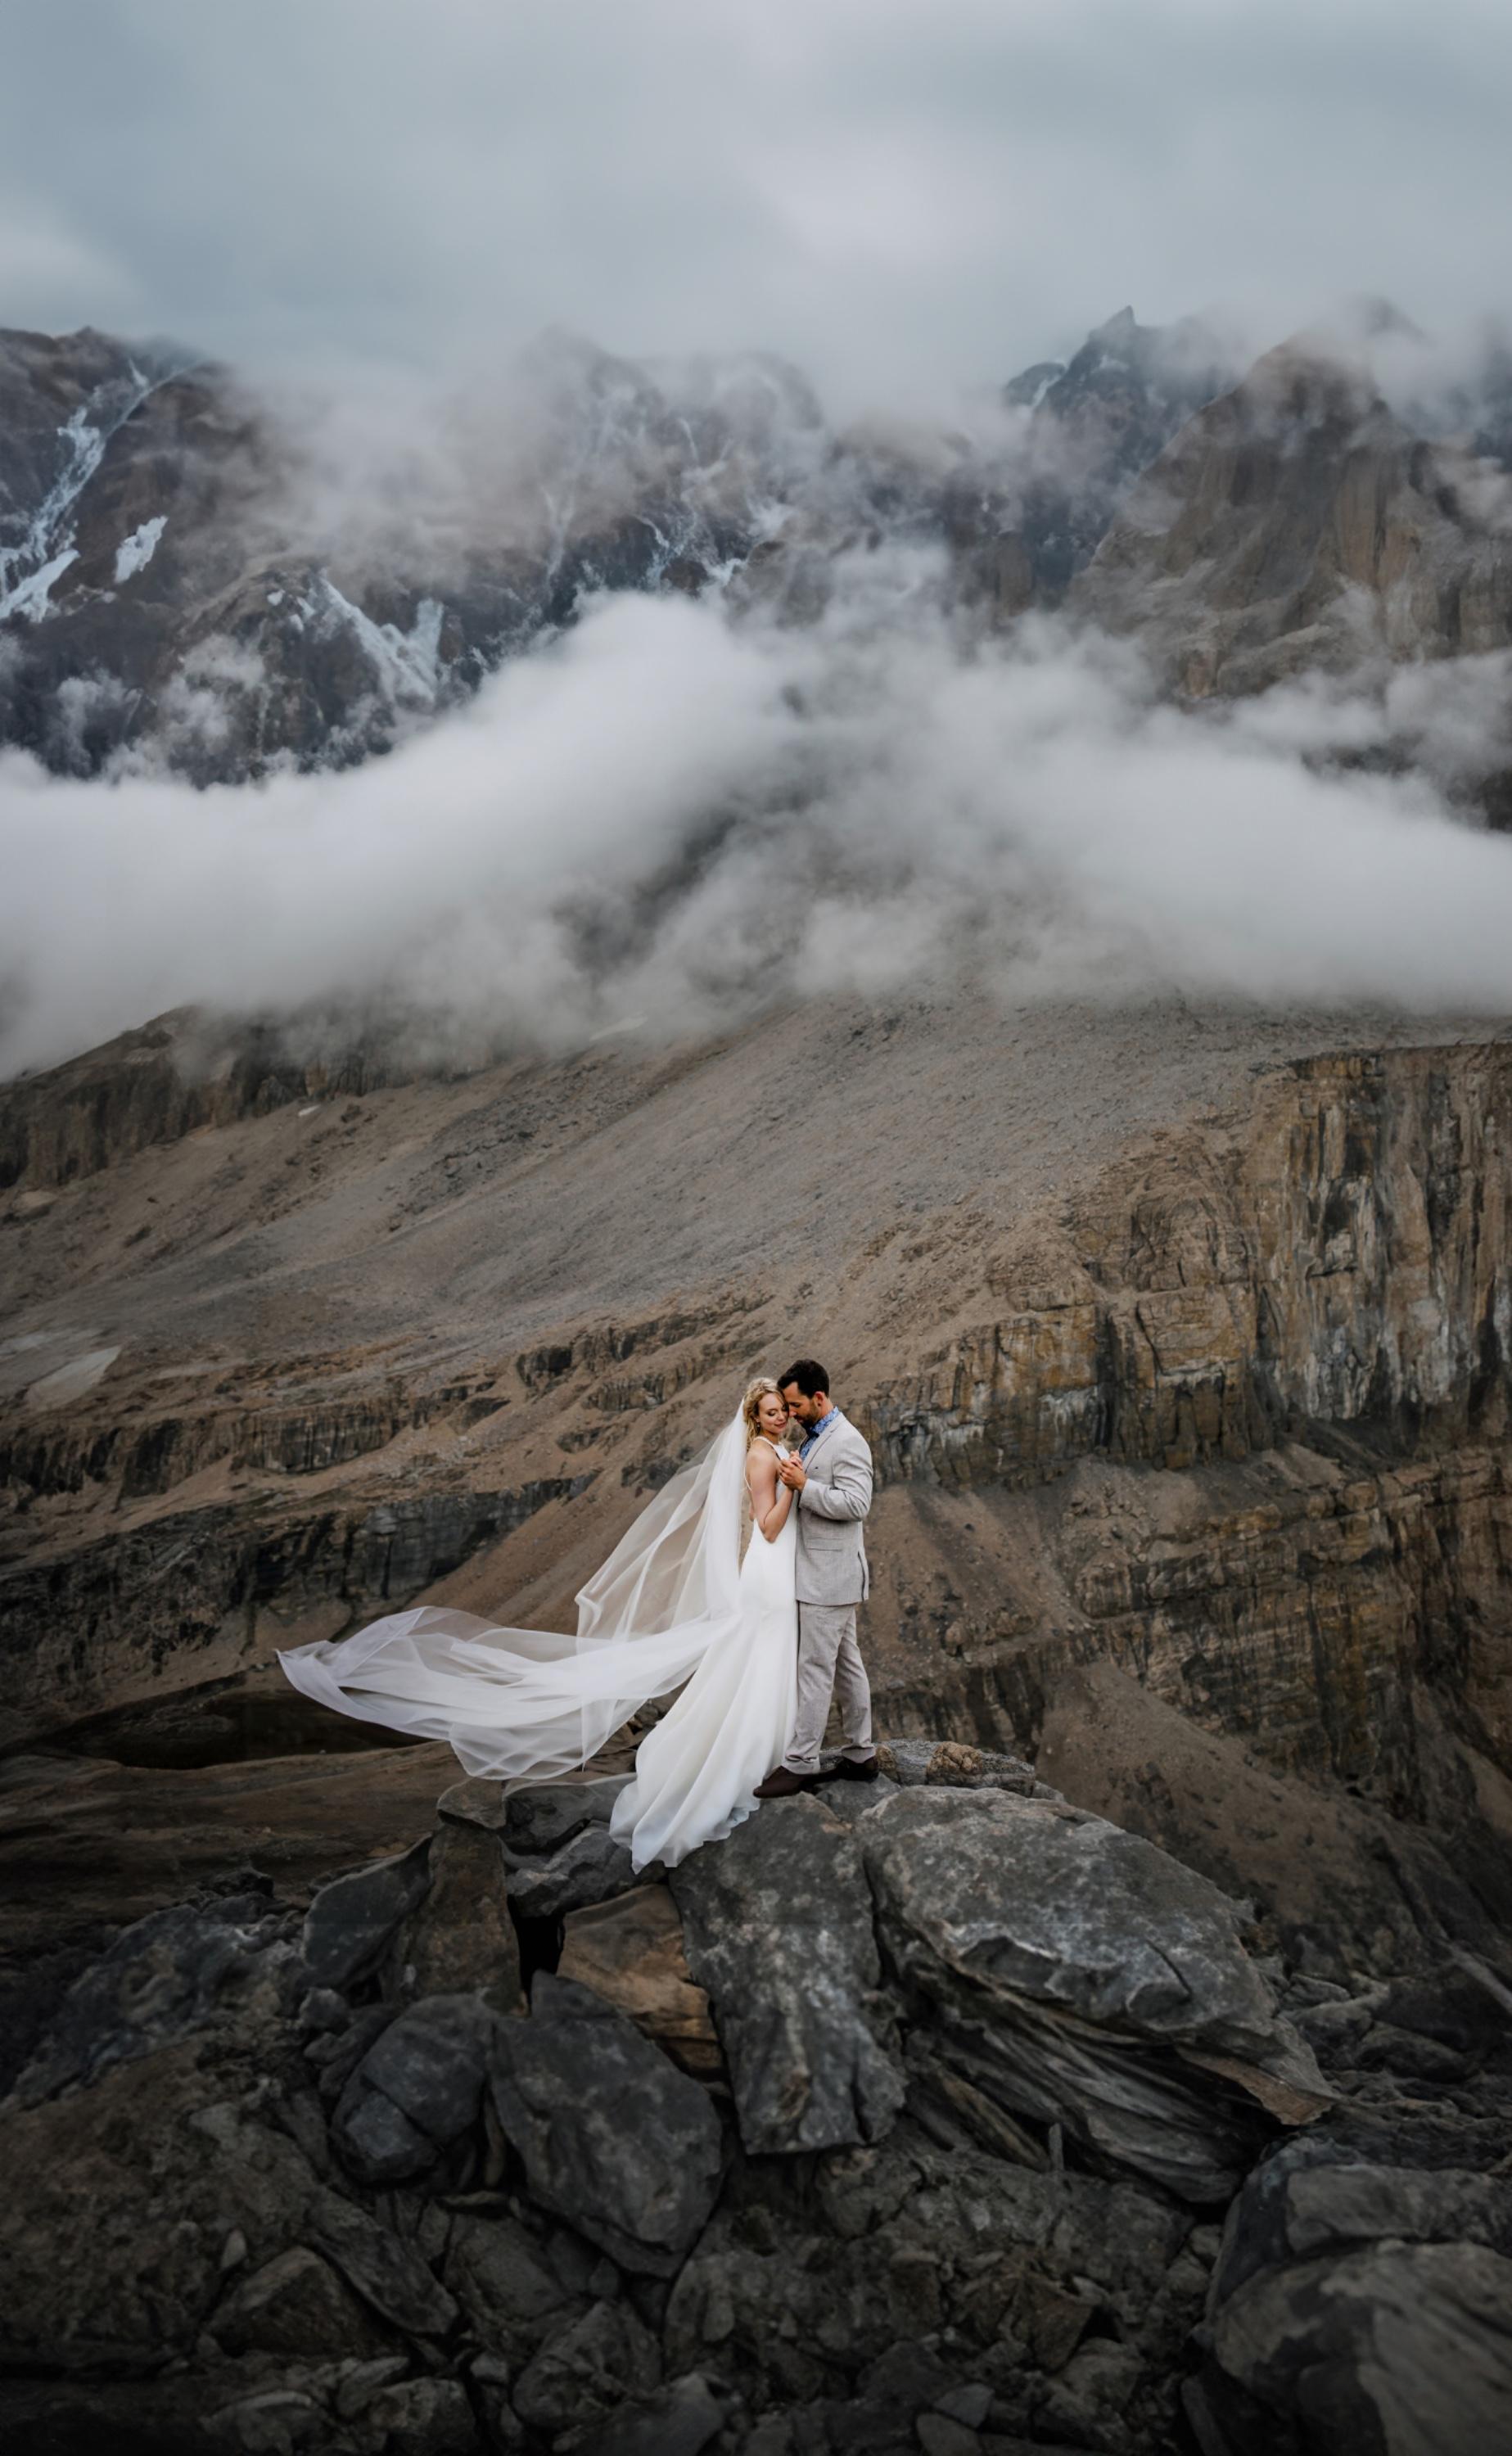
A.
x: 904, y: 195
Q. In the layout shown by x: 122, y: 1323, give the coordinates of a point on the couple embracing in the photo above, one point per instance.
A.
x: 749, y: 1643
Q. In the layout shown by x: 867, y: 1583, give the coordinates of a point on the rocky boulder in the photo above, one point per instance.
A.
x: 416, y: 2092
x: 462, y: 1937
x: 353, y: 1920
x: 778, y: 1926
x: 611, y: 2133
x: 1084, y: 1978
x: 173, y: 1973
x: 630, y: 1951
x: 1361, y: 2305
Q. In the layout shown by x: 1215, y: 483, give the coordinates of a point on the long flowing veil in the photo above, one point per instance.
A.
x: 524, y: 1704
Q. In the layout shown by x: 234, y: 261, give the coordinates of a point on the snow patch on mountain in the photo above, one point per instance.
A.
x: 408, y: 663
x: 134, y: 552
x: 31, y: 597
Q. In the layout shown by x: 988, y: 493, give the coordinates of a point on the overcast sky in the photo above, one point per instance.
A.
x: 903, y: 195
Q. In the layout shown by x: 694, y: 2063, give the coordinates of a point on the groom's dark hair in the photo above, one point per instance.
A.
x: 810, y: 1378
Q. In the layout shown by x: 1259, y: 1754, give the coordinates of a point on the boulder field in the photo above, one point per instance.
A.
x: 936, y: 2115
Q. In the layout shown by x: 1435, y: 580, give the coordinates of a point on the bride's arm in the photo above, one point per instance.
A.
x: 769, y: 1500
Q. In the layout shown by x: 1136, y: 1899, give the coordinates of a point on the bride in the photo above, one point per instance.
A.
x: 674, y: 1608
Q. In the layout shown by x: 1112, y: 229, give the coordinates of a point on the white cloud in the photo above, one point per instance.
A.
x: 668, y: 816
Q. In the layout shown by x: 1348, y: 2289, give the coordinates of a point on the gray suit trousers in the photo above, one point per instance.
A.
x: 828, y: 1665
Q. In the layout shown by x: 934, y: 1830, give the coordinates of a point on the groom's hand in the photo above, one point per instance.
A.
x: 793, y: 1475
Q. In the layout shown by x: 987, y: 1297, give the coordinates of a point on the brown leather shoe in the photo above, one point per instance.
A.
x: 780, y: 1784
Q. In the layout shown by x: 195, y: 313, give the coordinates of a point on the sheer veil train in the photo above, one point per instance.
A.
x: 523, y: 1705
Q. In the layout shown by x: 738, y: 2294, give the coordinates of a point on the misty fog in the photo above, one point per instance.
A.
x: 670, y: 816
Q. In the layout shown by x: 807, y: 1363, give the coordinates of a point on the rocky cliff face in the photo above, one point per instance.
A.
x: 178, y: 576
x: 1297, y: 523
x: 1231, y: 1424
x: 183, y: 579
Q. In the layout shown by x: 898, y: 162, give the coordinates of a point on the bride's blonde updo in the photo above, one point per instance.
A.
x: 762, y: 1388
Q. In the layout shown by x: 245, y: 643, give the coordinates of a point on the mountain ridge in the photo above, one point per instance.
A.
x: 184, y: 581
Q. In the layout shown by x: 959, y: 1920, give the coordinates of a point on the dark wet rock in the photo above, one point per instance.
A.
x: 422, y: 2417
x: 389, y: 2274
x: 360, y: 2382
x: 603, y: 2361
x: 1361, y: 2305
x: 905, y: 2273
x: 1095, y: 1982
x: 119, y: 2207
x: 592, y: 1866
x: 336, y: 2053
x: 1089, y: 2402
x: 296, y: 2303
x: 272, y: 2423
x: 541, y: 1816
x: 1387, y: 2048
x: 417, y: 2090
x: 504, y: 2281
x: 461, y: 1937
x: 611, y: 2135
x: 352, y: 1921
x: 165, y: 1976
x: 679, y: 2420
x: 778, y: 1927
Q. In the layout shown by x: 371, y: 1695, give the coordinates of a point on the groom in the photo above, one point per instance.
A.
x: 830, y: 1481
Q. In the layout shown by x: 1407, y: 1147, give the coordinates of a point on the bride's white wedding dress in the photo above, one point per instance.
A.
x: 673, y: 1609
x: 696, y: 1770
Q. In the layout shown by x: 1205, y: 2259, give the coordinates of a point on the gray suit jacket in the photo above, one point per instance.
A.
x: 831, y: 1507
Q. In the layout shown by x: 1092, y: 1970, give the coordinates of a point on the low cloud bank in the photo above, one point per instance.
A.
x: 672, y: 816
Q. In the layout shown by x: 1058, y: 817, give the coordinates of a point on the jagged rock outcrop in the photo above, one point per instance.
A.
x: 1100, y: 420
x: 282, y: 2206
x: 1037, y: 1934
x: 156, y: 1085
x: 173, y: 576
x: 1297, y: 523
x: 178, y: 579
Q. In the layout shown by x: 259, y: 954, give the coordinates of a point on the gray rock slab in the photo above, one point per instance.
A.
x: 461, y: 1937
x: 388, y: 2273
x: 589, y: 1868
x: 603, y: 2361
x: 613, y: 2137
x: 1318, y: 2195
x: 422, y: 2417
x: 504, y: 2283
x: 539, y: 1816
x: 350, y: 1922
x: 296, y: 2303
x: 679, y: 2420
x: 418, y: 2088
x: 957, y: 1765
x: 1401, y: 2347
x: 778, y: 1925
x: 1094, y: 1981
